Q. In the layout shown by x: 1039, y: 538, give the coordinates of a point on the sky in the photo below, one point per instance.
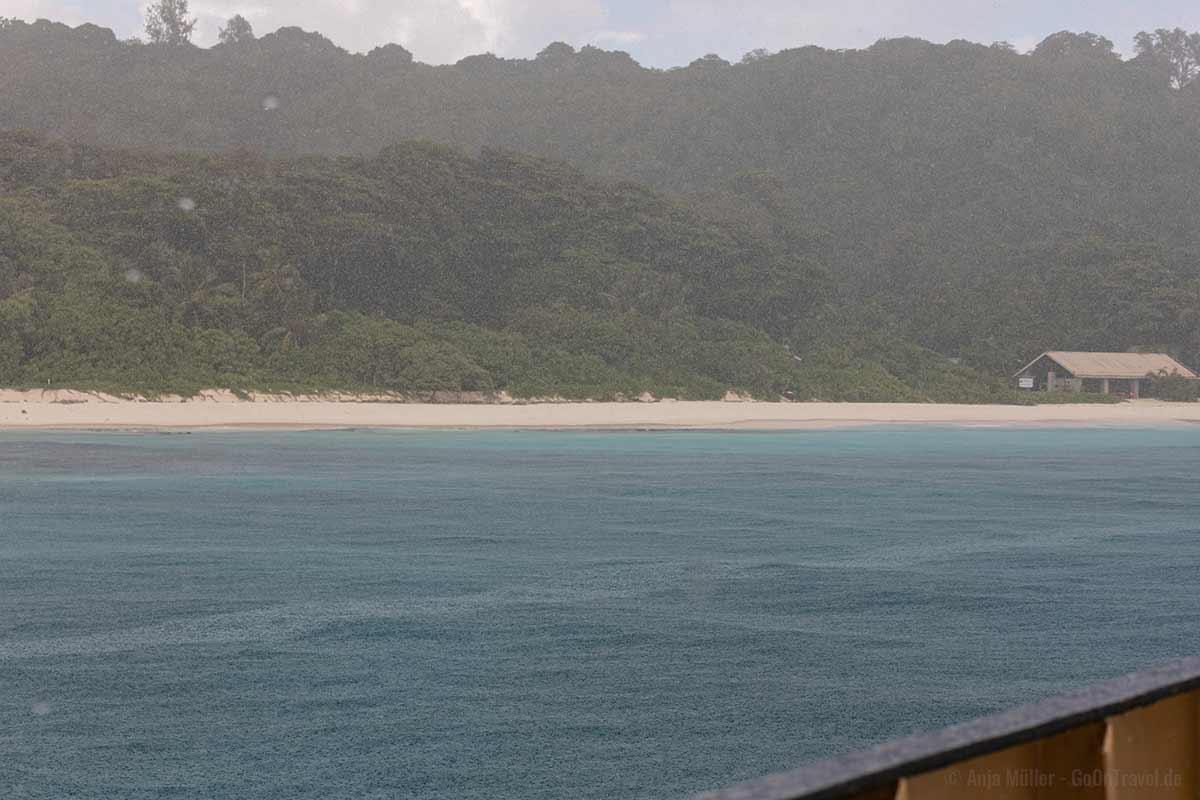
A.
x: 658, y: 33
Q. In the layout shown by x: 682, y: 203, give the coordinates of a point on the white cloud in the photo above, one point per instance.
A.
x: 1025, y: 44
x: 777, y: 24
x: 436, y: 31
x: 616, y: 37
x: 68, y: 13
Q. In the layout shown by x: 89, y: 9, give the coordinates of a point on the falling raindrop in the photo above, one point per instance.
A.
x: 40, y: 709
x: 187, y: 204
x: 270, y: 103
x: 133, y: 275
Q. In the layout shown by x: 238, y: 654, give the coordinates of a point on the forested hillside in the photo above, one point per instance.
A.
x: 418, y: 270
x: 982, y: 203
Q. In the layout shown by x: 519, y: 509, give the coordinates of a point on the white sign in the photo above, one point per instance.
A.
x: 1025, y: 383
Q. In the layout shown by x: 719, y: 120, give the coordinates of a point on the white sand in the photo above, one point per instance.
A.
x: 221, y: 410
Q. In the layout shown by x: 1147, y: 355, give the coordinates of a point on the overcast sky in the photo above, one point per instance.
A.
x: 658, y: 33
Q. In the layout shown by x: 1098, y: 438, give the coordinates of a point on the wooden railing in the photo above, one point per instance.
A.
x: 1133, y: 738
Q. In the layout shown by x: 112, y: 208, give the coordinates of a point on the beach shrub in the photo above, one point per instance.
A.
x: 1173, y: 387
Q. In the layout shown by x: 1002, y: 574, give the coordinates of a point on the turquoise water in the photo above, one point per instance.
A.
x: 560, y: 615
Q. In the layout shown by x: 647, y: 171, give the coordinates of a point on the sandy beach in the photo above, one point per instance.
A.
x: 67, y: 409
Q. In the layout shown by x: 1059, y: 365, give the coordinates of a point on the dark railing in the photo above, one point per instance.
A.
x: 1136, y: 737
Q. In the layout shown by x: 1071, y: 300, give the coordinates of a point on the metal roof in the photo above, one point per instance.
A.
x: 1112, y: 365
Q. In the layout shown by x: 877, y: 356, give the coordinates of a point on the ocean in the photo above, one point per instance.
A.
x: 397, y: 614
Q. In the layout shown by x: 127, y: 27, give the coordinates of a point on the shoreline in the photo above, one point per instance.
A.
x: 75, y: 410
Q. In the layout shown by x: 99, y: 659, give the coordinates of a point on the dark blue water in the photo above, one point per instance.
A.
x: 554, y: 615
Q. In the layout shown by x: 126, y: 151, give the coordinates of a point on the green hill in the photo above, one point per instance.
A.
x: 420, y: 269
x: 980, y: 203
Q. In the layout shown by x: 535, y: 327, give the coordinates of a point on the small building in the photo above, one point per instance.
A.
x: 1107, y: 373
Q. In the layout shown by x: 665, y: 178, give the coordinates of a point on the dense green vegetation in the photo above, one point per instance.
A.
x: 1170, y: 386
x: 416, y: 271
x: 866, y: 211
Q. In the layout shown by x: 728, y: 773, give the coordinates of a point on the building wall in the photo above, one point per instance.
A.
x: 1040, y: 372
x: 1064, y: 381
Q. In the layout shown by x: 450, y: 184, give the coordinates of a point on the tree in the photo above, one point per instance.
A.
x: 557, y: 52
x: 709, y: 60
x: 1176, y: 52
x: 236, y: 31
x: 167, y: 22
x: 1066, y: 44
